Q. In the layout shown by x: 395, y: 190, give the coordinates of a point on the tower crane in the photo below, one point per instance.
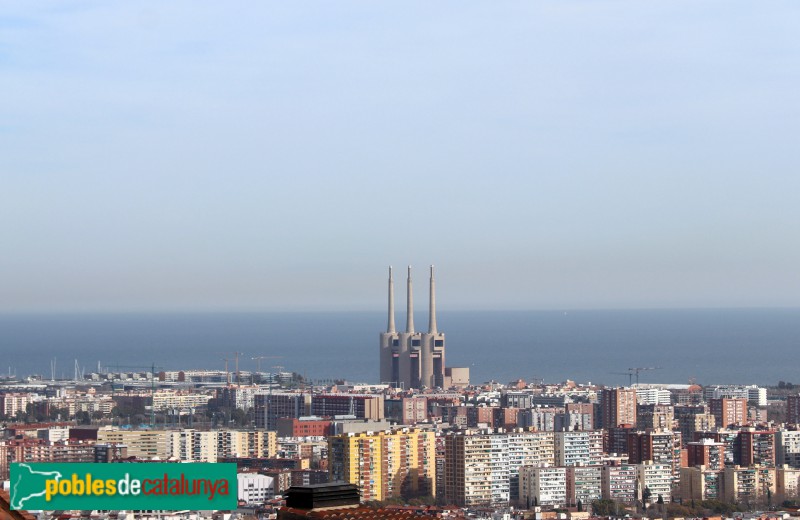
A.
x: 258, y: 359
x: 636, y: 370
x: 236, y: 359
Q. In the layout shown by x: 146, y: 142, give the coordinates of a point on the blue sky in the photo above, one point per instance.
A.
x: 280, y: 155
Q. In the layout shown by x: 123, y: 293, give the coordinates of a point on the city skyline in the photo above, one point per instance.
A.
x: 556, y: 155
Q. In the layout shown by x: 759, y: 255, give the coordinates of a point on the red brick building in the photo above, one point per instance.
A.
x: 292, y: 427
x: 618, y: 407
x: 757, y: 448
x: 793, y: 409
x: 706, y: 452
x: 728, y: 411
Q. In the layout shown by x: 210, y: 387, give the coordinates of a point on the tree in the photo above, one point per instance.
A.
x: 660, y: 500
x: 58, y: 413
x: 605, y: 507
x: 580, y: 506
x: 646, y: 494
x: 719, y: 507
x: 240, y: 417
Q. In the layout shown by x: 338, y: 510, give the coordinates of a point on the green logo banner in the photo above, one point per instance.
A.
x: 133, y: 486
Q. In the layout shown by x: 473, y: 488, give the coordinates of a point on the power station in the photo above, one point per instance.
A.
x: 412, y: 359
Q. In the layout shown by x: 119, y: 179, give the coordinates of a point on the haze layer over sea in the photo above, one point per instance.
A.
x: 760, y: 346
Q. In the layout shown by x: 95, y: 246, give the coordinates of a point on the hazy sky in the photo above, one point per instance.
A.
x: 280, y: 155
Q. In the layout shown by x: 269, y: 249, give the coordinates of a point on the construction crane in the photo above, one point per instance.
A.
x: 636, y: 370
x: 236, y: 359
x: 258, y: 359
x: 629, y: 374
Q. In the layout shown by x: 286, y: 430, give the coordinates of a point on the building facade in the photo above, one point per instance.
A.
x: 385, y: 464
x: 788, y: 448
x: 728, y: 411
x: 618, y: 407
x: 543, y: 486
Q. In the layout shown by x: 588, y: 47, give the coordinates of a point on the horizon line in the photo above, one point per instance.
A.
x: 229, y: 310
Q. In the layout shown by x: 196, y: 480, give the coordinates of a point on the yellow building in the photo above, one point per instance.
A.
x: 247, y: 443
x: 385, y: 464
x: 143, y: 444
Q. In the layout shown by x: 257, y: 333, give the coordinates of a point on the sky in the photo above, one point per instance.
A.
x: 279, y: 156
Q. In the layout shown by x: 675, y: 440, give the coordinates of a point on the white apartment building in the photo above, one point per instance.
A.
x: 620, y: 482
x: 653, y: 395
x: 527, y: 448
x: 657, y: 478
x: 12, y: 403
x: 254, y: 488
x: 753, y: 393
x: 787, y: 448
x: 483, y: 469
x: 543, y: 486
x: 578, y: 447
x: 169, y: 399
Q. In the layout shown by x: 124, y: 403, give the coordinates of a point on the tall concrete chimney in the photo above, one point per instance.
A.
x: 390, y: 327
x: 409, y: 305
x: 432, y: 315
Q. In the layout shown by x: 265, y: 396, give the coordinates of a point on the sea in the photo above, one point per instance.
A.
x: 708, y: 346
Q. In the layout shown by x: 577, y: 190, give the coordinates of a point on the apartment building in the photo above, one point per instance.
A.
x: 618, y: 407
x: 657, y: 479
x: 728, y: 411
x: 700, y: 483
x: 787, y: 448
x: 387, y: 464
x: 619, y: 483
x: 142, y: 444
x: 477, y: 468
x: 706, y: 452
x: 574, y: 448
x: 584, y: 484
x: 740, y: 484
x: 757, y: 448
x: 543, y: 486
